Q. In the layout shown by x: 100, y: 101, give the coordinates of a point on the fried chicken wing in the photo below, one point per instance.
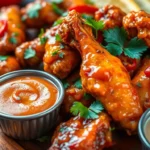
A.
x: 30, y: 54
x: 81, y: 134
x: 38, y: 13
x: 8, y: 64
x: 59, y: 59
x: 102, y: 74
x: 138, y: 24
x: 13, y: 30
x: 111, y: 16
x: 142, y: 84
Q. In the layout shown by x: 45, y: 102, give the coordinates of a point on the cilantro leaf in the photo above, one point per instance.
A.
x: 61, y: 46
x: 57, y: 1
x: 29, y: 53
x: 78, y: 84
x: 43, y: 139
x: 41, y: 32
x: 58, y: 38
x: 3, y: 58
x: 33, y: 12
x: 65, y: 84
x: 135, y: 48
x: 114, y: 49
x: 55, y: 53
x: 88, y: 113
x: 56, y: 9
x: 57, y: 22
x: 138, y: 84
x: 85, y: 16
x: 13, y: 40
x: 43, y: 40
x: 116, y: 36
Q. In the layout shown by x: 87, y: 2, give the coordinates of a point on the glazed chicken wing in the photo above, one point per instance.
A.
x: 12, y: 33
x: 59, y: 59
x: 102, y: 74
x: 81, y: 134
x: 138, y: 24
x: 38, y: 13
x: 8, y: 64
x: 142, y: 84
x: 111, y: 16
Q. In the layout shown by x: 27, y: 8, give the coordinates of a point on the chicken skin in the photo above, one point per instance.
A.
x: 59, y: 59
x: 43, y: 14
x: 103, y: 75
x: 30, y: 54
x: 138, y: 24
x: 142, y: 84
x: 81, y: 134
x: 8, y: 64
x: 12, y: 33
x: 111, y: 16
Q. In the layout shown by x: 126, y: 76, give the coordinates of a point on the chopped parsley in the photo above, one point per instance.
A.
x: 58, y: 38
x: 55, y: 53
x: 96, y: 25
x: 61, y: 46
x: 65, y: 84
x: 33, y: 12
x: 138, y: 84
x: 57, y: 1
x: 3, y: 58
x: 117, y: 43
x: 56, y: 9
x: 61, y: 55
x: 57, y: 22
x: 78, y: 84
x: 29, y: 53
x: 88, y: 113
x: 13, y: 40
x: 43, y: 39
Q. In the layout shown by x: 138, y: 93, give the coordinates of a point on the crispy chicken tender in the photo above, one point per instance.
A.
x: 8, y: 65
x: 111, y: 16
x: 43, y: 14
x: 14, y: 34
x: 81, y: 134
x: 142, y: 84
x: 138, y: 24
x: 35, y: 48
x: 102, y: 74
x: 59, y: 59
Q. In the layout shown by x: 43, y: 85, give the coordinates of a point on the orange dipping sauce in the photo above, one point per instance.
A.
x: 27, y: 95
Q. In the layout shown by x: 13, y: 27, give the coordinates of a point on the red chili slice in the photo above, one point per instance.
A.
x: 84, y: 9
x: 147, y: 72
x: 131, y: 66
x: 3, y: 27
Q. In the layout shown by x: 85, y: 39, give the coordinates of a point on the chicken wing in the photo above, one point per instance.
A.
x: 10, y: 21
x: 142, y: 84
x: 138, y: 24
x: 81, y: 134
x: 111, y: 16
x: 102, y: 74
x: 8, y: 64
x: 59, y: 59
x: 38, y: 13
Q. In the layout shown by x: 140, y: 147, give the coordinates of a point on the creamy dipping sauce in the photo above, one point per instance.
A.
x: 147, y: 130
x: 27, y: 95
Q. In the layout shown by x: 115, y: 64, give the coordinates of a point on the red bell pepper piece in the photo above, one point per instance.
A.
x: 3, y: 27
x: 131, y: 66
x: 147, y: 72
x: 84, y: 9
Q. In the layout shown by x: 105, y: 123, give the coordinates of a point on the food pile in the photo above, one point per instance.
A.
x: 100, y: 54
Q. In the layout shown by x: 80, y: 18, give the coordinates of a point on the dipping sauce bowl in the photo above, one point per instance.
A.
x: 144, y: 130
x: 29, y: 125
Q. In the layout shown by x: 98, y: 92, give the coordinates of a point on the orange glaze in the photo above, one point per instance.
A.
x: 27, y: 95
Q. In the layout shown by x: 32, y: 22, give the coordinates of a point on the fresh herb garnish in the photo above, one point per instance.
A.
x: 29, y: 53
x: 3, y: 58
x: 78, y: 84
x: 57, y: 22
x: 43, y: 139
x: 61, y: 46
x: 65, y: 84
x: 88, y: 113
x: 85, y: 16
x: 117, y: 43
x: 96, y: 25
x: 13, y: 40
x: 138, y: 84
x: 56, y: 1
x: 58, y: 38
x: 33, y: 12
x: 56, y: 9
x: 61, y: 55
x: 55, y: 53
x: 87, y: 96
x: 43, y: 39
x: 89, y: 2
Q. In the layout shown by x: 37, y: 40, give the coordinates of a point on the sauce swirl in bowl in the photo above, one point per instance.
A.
x: 27, y: 95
